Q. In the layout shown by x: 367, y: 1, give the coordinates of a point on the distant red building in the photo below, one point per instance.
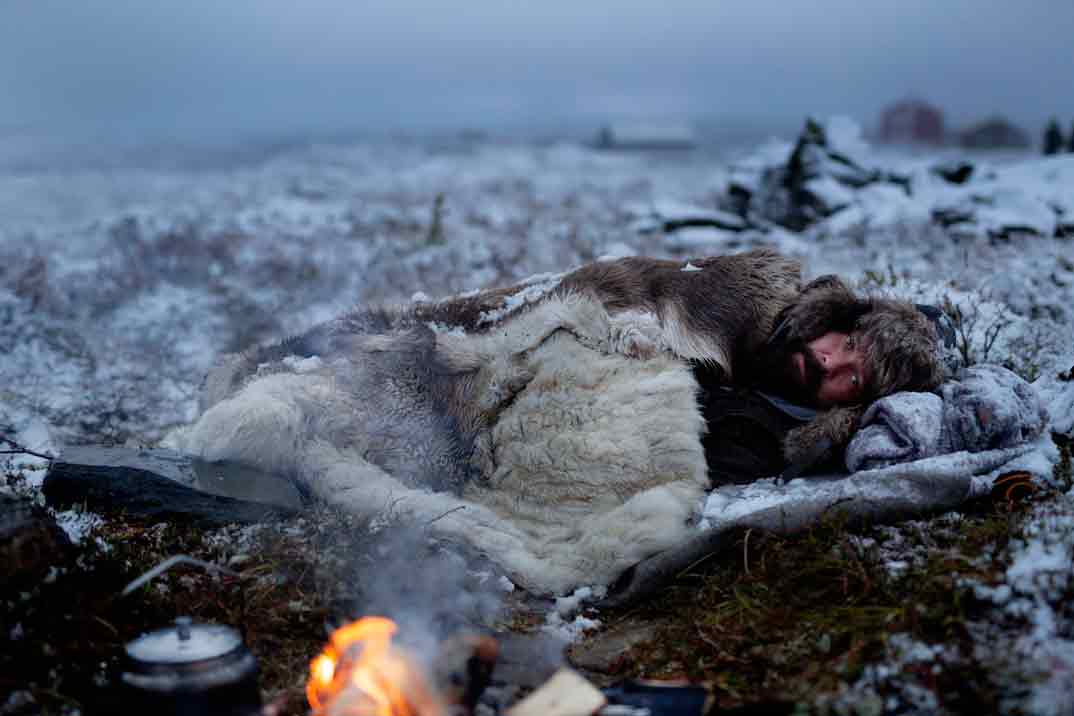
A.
x: 911, y: 122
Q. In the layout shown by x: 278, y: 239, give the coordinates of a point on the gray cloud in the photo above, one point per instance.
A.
x: 202, y: 66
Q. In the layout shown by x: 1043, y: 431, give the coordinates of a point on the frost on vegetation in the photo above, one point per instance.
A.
x: 906, y: 547
x: 23, y: 473
x: 1026, y: 639
x: 903, y: 682
x: 78, y: 525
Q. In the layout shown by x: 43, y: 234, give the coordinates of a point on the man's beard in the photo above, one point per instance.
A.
x: 777, y: 372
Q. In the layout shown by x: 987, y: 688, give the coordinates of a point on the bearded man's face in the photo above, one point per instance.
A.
x: 826, y: 371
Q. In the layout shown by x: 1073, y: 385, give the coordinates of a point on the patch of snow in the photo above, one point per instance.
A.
x: 534, y: 289
x: 30, y: 432
x: 303, y: 365
x: 690, y: 267
x: 78, y: 524
x: 900, y: 683
x: 569, y: 630
x: 832, y: 193
x: 1033, y: 601
x: 444, y: 329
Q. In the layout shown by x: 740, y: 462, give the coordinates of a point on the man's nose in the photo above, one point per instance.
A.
x: 833, y: 360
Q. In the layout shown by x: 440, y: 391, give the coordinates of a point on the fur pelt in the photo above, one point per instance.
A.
x: 553, y: 426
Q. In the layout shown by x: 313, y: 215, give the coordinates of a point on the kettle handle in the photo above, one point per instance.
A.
x: 186, y: 559
x: 168, y: 564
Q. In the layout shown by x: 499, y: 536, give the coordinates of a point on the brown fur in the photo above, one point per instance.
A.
x: 734, y: 299
x: 818, y: 439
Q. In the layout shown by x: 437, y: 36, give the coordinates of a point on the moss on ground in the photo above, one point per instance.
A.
x: 787, y: 620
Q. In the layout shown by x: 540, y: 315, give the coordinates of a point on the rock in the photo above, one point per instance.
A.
x: 1001, y: 213
x: 670, y: 216
x: 818, y: 179
x: 527, y: 659
x: 30, y: 542
x: 954, y: 172
x: 161, y: 484
x: 602, y: 651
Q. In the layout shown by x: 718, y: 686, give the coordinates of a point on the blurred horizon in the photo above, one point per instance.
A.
x: 127, y: 73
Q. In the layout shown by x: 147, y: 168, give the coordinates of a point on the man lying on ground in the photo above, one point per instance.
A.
x: 556, y: 425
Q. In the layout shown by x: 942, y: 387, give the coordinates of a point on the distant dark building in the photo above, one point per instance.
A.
x: 994, y: 133
x: 646, y: 136
x: 911, y: 122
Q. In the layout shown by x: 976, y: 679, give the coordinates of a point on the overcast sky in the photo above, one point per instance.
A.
x: 199, y: 67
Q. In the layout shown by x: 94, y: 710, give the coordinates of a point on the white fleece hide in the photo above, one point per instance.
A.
x: 598, y: 461
x: 592, y: 462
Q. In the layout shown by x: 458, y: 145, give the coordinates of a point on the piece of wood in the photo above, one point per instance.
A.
x: 565, y: 694
x: 160, y: 484
x: 30, y: 542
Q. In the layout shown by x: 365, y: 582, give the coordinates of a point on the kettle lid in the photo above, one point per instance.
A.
x: 183, y: 643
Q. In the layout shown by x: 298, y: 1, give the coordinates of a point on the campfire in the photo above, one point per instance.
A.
x: 362, y: 673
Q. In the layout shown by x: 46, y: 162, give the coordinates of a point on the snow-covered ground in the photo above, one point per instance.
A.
x: 120, y: 281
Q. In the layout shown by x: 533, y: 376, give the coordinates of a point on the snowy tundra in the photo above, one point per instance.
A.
x: 121, y: 279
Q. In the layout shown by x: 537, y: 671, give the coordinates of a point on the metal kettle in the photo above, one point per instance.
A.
x: 187, y: 668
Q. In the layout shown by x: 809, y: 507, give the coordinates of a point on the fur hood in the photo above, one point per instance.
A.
x: 902, y: 349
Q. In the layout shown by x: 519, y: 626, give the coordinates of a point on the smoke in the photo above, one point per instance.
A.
x: 432, y: 590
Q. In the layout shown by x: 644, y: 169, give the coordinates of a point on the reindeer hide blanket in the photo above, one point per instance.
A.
x: 533, y: 442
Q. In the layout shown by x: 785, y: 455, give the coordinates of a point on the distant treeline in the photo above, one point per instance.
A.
x: 1054, y: 143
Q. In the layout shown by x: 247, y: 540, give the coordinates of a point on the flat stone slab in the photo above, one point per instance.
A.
x: 527, y: 659
x: 163, y: 484
x: 601, y: 652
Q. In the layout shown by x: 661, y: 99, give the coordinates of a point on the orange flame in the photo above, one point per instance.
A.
x: 360, y: 673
